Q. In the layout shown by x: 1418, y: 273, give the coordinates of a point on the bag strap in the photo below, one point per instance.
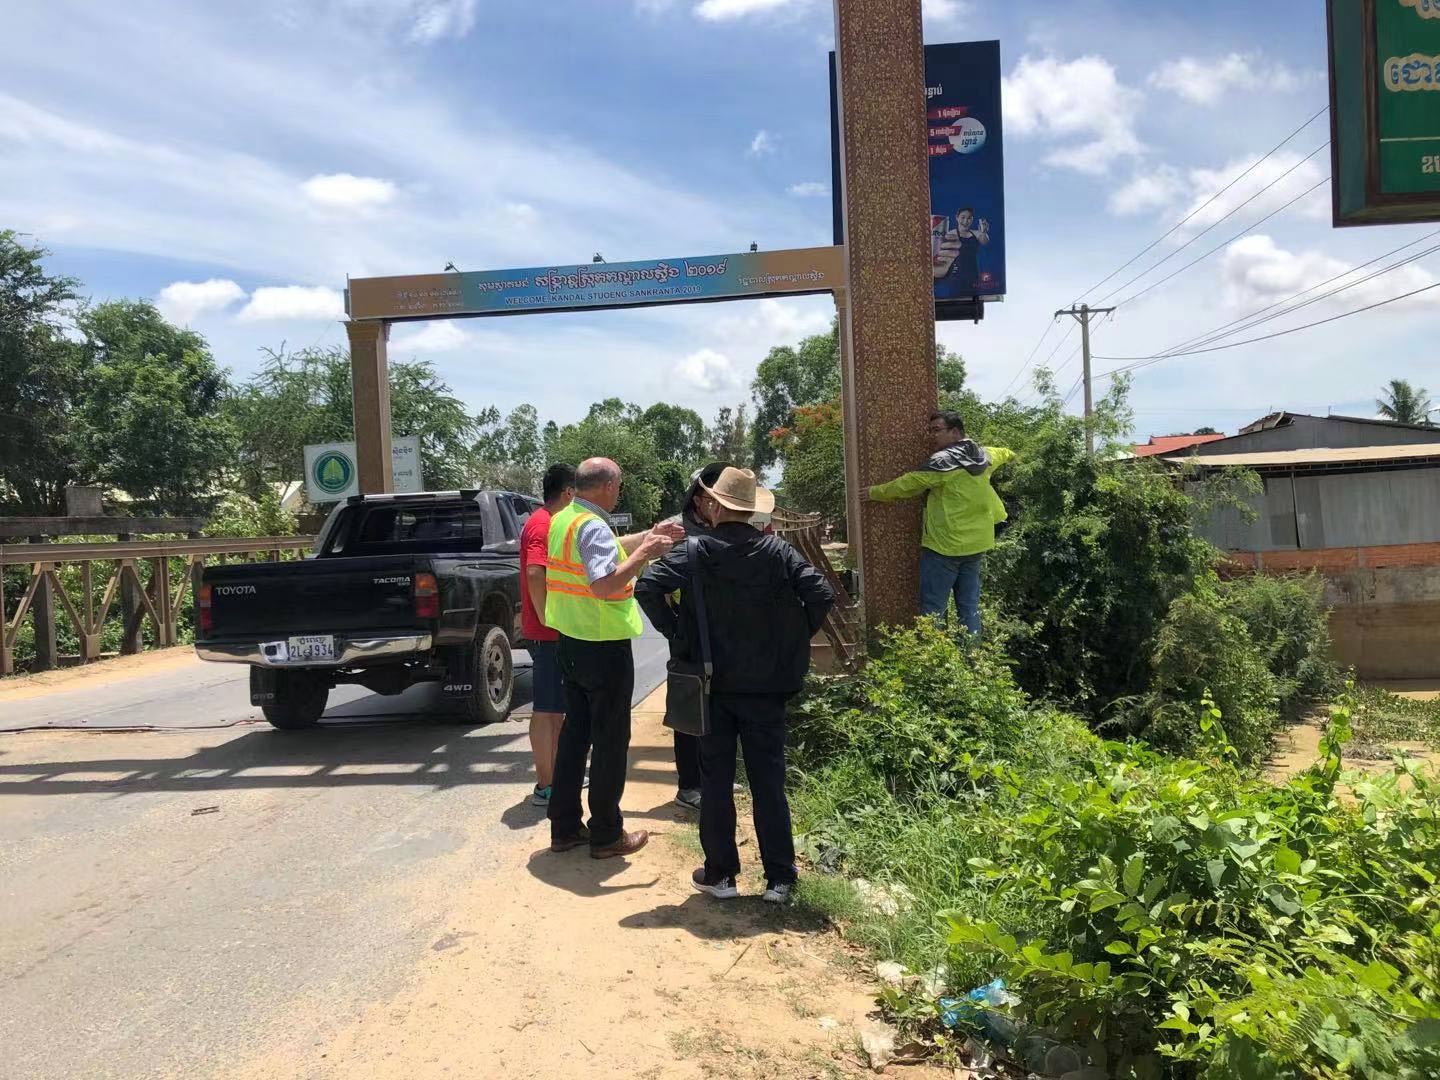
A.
x: 692, y: 552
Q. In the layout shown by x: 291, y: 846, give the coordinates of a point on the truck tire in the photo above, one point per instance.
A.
x: 299, y: 701
x: 489, y: 661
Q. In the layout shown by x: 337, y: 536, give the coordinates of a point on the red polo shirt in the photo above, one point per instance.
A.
x: 534, y: 551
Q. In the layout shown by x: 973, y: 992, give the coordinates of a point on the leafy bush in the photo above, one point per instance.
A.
x: 921, y: 711
x: 1382, y: 718
x: 1287, y: 621
x: 1171, y: 914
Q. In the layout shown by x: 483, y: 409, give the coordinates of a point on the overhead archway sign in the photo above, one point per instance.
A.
x: 572, y: 287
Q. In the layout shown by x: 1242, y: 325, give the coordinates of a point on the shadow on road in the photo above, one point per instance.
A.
x: 721, y: 920
x: 575, y: 872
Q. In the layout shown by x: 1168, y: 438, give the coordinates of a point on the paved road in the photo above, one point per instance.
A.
x: 170, y: 899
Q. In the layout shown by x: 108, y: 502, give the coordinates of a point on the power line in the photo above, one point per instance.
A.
x: 1147, y: 361
x: 1231, y: 213
x: 1023, y: 367
x: 1179, y: 224
x: 1223, y: 244
x: 1215, y: 334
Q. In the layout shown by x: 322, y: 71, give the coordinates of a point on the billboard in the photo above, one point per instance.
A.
x: 967, y: 174
x: 331, y: 475
x: 1384, y: 111
x: 597, y: 285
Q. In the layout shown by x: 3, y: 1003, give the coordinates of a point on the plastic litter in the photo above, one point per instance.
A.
x: 977, y: 1008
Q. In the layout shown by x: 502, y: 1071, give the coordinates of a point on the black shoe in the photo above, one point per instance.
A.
x: 720, y: 886
x: 572, y: 841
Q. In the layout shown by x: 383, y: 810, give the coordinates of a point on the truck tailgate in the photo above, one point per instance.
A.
x: 276, y: 599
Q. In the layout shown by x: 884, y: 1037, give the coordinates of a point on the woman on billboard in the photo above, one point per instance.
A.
x: 957, y: 255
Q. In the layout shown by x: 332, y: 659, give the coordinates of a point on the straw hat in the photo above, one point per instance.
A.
x: 736, y: 489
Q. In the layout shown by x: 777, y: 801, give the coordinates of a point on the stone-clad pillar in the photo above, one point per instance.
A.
x: 370, y: 387
x: 888, y: 310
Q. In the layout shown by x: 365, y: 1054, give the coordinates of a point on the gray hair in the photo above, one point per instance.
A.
x: 594, y: 473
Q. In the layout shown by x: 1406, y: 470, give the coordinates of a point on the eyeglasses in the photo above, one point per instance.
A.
x: 936, y: 429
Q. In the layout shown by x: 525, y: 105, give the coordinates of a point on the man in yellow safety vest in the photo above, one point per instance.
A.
x: 589, y: 599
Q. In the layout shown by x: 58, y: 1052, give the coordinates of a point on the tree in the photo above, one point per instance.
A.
x: 730, y: 438
x: 150, y: 421
x: 1205, y: 431
x: 303, y: 398
x: 803, y: 374
x: 614, y: 429
x: 41, y: 378
x: 510, y: 453
x: 813, y: 450
x: 1405, y: 404
x: 680, y: 440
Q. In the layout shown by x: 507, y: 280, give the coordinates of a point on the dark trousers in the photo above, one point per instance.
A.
x: 757, y: 722
x: 687, y: 761
x: 599, y: 681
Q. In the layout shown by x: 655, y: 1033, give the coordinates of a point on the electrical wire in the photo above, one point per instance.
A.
x: 1025, y: 366
x: 1179, y: 224
x: 1223, y: 244
x: 1225, y: 217
x: 1216, y: 333
x: 1147, y: 361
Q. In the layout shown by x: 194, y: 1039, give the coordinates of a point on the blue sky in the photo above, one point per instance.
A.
x: 236, y: 163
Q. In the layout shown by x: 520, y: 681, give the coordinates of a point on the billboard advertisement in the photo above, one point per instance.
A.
x: 967, y: 173
x: 1384, y: 110
x: 597, y: 285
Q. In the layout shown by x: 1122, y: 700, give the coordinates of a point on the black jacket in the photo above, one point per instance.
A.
x: 765, y: 603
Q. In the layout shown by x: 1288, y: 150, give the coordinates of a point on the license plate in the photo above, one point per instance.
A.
x: 310, y: 648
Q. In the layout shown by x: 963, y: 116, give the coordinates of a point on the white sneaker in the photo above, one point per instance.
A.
x: 778, y: 894
x: 722, y: 888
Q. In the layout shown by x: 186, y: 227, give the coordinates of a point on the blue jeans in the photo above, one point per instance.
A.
x: 943, y: 576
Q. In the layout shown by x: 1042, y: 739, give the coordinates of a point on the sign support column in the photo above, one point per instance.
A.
x: 888, y: 338
x: 370, y: 386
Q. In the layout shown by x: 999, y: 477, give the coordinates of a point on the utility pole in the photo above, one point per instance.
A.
x: 1082, y: 316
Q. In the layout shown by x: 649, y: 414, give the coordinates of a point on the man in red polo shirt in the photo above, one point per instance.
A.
x: 548, y: 708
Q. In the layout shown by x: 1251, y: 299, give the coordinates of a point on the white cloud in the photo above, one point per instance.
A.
x: 809, y: 189
x: 944, y: 11
x: 721, y: 10
x: 342, y: 191
x: 430, y: 337
x: 1257, y: 272
x: 1078, y: 100
x: 763, y: 143
x: 1143, y: 192
x: 707, y: 371
x: 1204, y: 82
x: 293, y: 302
x: 181, y: 301
x: 422, y: 21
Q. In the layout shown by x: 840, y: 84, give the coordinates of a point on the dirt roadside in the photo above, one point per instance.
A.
x: 567, y: 966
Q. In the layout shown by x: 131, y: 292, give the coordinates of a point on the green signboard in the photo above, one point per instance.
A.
x: 1385, y: 110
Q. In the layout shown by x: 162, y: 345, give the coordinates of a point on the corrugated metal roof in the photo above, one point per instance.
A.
x: 1324, y: 455
x: 1168, y: 444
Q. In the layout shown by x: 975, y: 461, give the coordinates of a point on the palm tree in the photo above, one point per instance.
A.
x: 1405, y: 404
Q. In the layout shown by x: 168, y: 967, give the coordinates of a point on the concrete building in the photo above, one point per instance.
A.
x: 1366, y: 517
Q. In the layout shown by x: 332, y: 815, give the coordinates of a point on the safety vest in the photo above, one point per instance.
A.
x: 570, y: 606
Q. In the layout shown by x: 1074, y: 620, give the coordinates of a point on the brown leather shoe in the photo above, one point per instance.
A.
x: 572, y: 841
x: 628, y: 844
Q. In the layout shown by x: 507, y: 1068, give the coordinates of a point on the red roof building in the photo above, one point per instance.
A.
x: 1173, y: 444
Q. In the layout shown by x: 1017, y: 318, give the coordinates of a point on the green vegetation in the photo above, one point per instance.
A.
x: 1173, y: 914
x: 1382, y: 719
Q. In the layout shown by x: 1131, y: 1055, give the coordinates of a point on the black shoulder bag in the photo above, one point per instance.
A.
x: 687, y: 683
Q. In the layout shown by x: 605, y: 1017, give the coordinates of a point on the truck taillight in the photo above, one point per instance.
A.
x: 427, y: 597
x: 207, y: 613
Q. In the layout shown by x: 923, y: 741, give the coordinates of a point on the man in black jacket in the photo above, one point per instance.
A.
x: 764, y: 603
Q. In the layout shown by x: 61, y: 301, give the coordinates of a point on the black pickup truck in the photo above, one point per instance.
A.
x: 400, y: 589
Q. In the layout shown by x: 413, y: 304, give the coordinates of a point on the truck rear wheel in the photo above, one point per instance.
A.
x: 489, y: 661
x: 300, y: 698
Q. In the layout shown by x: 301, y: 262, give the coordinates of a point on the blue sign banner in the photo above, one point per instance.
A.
x: 967, y: 174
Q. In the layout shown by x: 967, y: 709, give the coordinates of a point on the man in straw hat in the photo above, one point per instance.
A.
x: 764, y: 603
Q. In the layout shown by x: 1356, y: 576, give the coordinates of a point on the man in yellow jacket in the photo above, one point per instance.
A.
x: 590, y: 601
x: 961, y: 512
